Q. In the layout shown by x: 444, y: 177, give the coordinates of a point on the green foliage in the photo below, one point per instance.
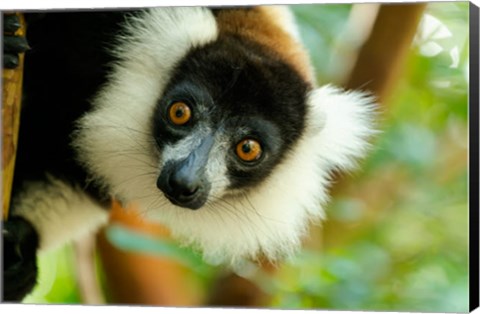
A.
x: 129, y: 240
x: 397, y: 237
x: 319, y: 27
x: 56, y: 278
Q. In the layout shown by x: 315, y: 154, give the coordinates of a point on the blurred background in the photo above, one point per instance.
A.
x: 396, y: 238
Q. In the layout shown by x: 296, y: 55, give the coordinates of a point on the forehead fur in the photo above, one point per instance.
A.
x: 272, y: 27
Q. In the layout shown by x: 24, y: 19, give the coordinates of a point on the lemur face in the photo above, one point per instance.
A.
x: 228, y: 115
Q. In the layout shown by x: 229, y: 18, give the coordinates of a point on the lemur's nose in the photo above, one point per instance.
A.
x: 183, y: 181
x: 184, y: 186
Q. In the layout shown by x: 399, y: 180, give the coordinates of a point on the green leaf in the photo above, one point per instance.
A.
x: 130, y: 240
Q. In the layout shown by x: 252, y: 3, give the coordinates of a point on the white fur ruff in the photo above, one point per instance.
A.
x: 115, y: 143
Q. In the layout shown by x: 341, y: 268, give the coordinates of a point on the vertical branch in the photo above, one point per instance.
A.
x: 380, y: 61
x: 381, y: 58
x: 90, y: 291
x: 11, y: 101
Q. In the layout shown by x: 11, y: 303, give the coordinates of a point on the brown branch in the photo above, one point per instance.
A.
x: 11, y: 101
x: 383, y: 55
x: 88, y: 285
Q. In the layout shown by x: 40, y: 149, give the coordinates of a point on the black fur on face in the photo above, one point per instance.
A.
x: 236, y: 87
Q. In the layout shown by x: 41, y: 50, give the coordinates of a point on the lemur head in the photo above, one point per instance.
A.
x: 212, y: 123
x: 229, y: 114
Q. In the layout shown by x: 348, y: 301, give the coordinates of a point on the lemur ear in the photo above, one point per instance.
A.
x: 341, y: 123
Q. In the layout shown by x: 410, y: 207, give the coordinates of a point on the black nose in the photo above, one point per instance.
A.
x: 183, y: 188
x: 183, y: 181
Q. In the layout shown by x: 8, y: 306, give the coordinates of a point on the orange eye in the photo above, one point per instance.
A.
x: 249, y: 150
x: 179, y: 113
